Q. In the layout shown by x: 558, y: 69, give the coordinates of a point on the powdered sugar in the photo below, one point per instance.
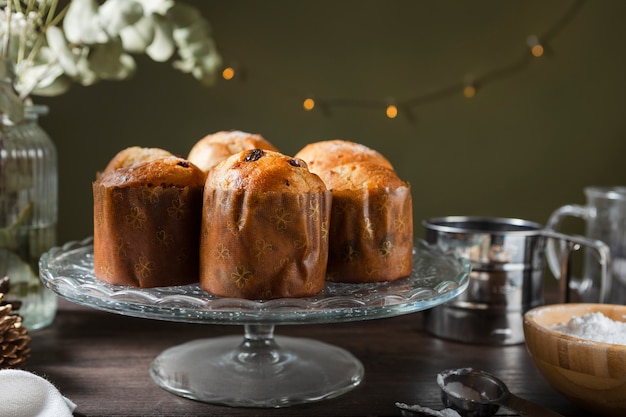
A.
x: 446, y: 412
x: 594, y: 327
x: 462, y: 391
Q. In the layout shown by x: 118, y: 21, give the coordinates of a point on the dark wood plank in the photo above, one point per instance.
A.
x: 101, y: 361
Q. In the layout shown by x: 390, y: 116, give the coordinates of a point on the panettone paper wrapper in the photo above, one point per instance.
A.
x: 264, y: 245
x: 147, y: 236
x: 371, y: 235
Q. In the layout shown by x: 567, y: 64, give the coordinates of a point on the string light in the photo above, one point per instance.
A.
x: 536, y: 46
x: 228, y: 73
x: 468, y: 89
x: 536, y: 49
x: 308, y: 104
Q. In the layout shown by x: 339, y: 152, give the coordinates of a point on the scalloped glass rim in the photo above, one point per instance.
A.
x: 437, y: 277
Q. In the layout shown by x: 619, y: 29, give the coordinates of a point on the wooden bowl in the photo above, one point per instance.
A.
x: 590, y: 374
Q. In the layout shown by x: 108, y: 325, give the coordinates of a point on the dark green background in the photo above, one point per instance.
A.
x: 526, y: 144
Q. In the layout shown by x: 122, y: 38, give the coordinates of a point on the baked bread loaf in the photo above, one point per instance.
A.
x: 371, y: 231
x: 265, y: 226
x: 215, y: 147
x: 133, y: 155
x: 324, y: 155
x: 147, y: 223
x: 371, y: 228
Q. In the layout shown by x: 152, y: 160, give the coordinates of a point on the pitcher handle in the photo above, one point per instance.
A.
x: 552, y: 255
x: 572, y: 243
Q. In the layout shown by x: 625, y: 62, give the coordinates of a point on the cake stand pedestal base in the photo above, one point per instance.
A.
x: 260, y: 371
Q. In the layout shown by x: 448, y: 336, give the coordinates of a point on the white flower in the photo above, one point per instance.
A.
x: 138, y: 37
x: 45, y: 76
x: 156, y: 6
x: 115, y: 15
x: 88, y: 41
x: 162, y: 47
x: 196, y: 48
x: 81, y: 24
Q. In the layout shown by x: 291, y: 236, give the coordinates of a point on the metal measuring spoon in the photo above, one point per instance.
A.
x: 480, y: 394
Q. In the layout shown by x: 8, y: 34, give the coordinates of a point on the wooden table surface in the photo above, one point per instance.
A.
x: 101, y: 361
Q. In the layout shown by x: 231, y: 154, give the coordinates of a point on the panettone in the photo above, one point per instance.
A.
x: 147, y: 223
x: 371, y: 228
x: 371, y: 233
x: 215, y: 147
x: 133, y: 155
x: 324, y: 155
x: 265, y: 226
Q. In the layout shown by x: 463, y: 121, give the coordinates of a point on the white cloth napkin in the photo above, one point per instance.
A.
x: 24, y: 394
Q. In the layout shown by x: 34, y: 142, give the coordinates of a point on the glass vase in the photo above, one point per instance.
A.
x: 28, y: 214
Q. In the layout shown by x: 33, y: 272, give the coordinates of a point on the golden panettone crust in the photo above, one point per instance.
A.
x: 259, y: 169
x: 371, y: 229
x: 133, y: 155
x: 324, y: 155
x: 167, y: 171
x: 265, y: 226
x: 215, y: 147
x: 147, y: 223
x: 357, y: 175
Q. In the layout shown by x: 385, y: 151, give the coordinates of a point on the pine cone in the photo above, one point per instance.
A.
x: 14, y: 338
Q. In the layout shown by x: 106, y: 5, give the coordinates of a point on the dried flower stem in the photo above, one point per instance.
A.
x: 7, y: 35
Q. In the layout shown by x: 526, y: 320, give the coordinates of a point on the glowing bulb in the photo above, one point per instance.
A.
x: 228, y: 73
x: 308, y: 104
x: 469, y: 91
x: 537, y: 50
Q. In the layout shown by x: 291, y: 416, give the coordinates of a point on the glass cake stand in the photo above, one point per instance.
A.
x: 258, y: 370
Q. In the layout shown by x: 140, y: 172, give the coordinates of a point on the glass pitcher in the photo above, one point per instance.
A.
x: 605, y: 217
